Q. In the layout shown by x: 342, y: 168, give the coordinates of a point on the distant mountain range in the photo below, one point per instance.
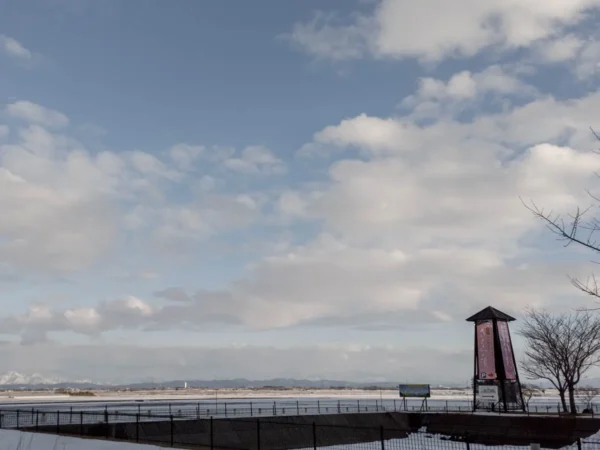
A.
x: 16, y: 380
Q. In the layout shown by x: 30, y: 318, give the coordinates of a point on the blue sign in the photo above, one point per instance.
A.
x: 414, y: 390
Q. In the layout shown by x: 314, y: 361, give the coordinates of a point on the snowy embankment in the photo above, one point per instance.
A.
x: 18, y: 440
x: 427, y: 441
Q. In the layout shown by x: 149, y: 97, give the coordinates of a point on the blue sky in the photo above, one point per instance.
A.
x: 334, y: 184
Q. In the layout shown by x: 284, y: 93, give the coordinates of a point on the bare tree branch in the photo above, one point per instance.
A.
x: 578, y: 229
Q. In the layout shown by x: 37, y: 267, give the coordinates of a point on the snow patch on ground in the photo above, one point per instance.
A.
x: 18, y: 440
x: 429, y: 441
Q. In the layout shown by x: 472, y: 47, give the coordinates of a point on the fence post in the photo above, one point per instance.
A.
x: 251, y: 409
x: 319, y: 406
x: 257, y: 434
x: 578, y: 443
x: 467, y: 441
x: 71, y: 415
x: 80, y: 423
x: 274, y: 408
x: 137, y: 427
x: 57, y: 422
x: 358, y: 405
x: 212, y: 437
x: 37, y: 416
x: 0, y: 418
x: 169, y: 409
x: 314, y: 430
x: 377, y: 405
x: 298, y: 407
x: 381, y: 435
x: 394, y: 404
x: 339, y: 407
x: 172, y: 434
x: 17, y: 419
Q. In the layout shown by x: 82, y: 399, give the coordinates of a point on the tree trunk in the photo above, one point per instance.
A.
x: 572, y: 399
x: 563, y: 401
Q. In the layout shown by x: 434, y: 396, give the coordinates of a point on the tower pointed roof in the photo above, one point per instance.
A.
x: 490, y: 313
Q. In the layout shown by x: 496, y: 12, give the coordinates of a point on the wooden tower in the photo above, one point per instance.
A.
x: 495, y: 376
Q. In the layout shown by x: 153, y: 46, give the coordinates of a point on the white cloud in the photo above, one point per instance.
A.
x: 466, y: 85
x: 4, y: 131
x: 457, y: 181
x: 148, y: 164
x: 128, y: 311
x: 373, y: 133
x: 562, y: 48
x: 583, y: 55
x: 177, y: 227
x: 184, y: 155
x: 410, y: 231
x: 256, y: 159
x: 426, y: 209
x: 436, y: 98
x: 34, y: 113
x: 588, y: 60
x: 68, y: 206
x: 60, y: 217
x: 14, y: 48
x: 292, y: 204
x: 321, y: 37
x: 400, y: 29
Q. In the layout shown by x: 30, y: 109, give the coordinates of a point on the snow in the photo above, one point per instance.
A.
x: 428, y: 441
x: 198, y: 394
x: 17, y: 440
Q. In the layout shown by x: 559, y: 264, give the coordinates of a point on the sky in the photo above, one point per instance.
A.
x: 220, y: 189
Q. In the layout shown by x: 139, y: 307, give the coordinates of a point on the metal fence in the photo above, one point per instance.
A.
x: 255, y: 408
x: 260, y: 433
x: 269, y: 434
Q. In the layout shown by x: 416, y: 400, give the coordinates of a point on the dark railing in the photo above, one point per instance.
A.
x: 18, y: 416
x: 258, y: 407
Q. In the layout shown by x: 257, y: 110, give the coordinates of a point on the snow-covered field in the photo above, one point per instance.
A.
x: 211, y: 394
x: 427, y: 441
x: 241, y: 394
x: 16, y: 440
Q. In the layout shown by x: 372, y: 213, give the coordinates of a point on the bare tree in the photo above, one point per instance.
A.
x: 541, y: 361
x: 579, y: 228
x: 560, y: 349
x: 529, y: 390
x: 587, y: 394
